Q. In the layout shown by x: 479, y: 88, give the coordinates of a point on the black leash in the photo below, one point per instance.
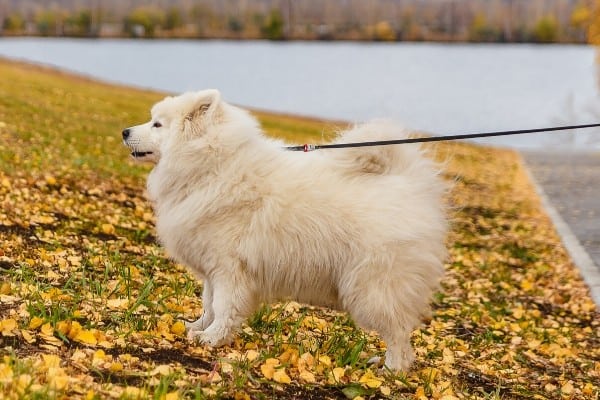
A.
x: 311, y: 147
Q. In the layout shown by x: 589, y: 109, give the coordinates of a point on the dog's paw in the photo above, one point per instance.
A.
x: 192, y: 334
x: 400, y: 361
x: 376, y: 361
x: 212, y: 338
x: 200, y: 324
x: 197, y: 325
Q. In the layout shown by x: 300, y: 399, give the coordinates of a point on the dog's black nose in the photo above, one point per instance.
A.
x: 125, y: 133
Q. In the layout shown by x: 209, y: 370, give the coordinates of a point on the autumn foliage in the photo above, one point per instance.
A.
x: 91, y: 306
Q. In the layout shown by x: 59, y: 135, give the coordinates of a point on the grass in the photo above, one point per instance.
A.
x: 91, y: 307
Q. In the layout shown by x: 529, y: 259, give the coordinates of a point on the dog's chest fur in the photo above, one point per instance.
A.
x: 213, y: 227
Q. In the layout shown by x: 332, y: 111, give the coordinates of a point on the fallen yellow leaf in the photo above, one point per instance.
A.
x: 108, y: 229
x: 307, y: 377
x: 289, y: 356
x: 588, y: 389
x: 29, y: 338
x: 86, y: 337
x: 241, y: 396
x: 58, y: 381
x: 306, y: 361
x: 47, y: 329
x: 268, y: 367
x: 6, y: 373
x: 178, y: 328
x: 338, y: 373
x: 162, y: 369
x: 313, y: 322
x: 50, y: 361
x: 526, y: 285
x: 385, y: 390
x: 5, y: 183
x: 7, y: 326
x: 370, y: 380
x: 420, y: 393
x: 63, y: 327
x: 35, y: 322
x: 281, y: 377
x: 99, y: 355
x: 567, y: 388
x: 78, y: 355
x: 252, y: 355
x: 172, y: 396
x: 74, y: 330
x: 117, y: 304
x: 23, y: 382
x: 116, y: 367
x: 5, y: 288
x: 325, y: 360
x: 50, y: 180
x: 132, y: 392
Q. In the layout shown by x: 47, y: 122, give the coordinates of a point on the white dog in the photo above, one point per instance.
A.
x: 360, y: 230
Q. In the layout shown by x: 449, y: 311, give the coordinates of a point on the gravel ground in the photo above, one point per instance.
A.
x: 572, y: 183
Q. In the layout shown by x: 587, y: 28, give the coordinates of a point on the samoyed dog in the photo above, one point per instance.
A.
x: 360, y: 230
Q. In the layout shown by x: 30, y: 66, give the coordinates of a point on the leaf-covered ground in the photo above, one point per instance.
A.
x: 91, y: 307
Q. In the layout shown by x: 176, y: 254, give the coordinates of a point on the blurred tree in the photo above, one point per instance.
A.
x: 521, y: 34
x: 79, y: 24
x: 173, y: 19
x: 384, y: 31
x: 48, y: 22
x: 581, y: 15
x: 201, y: 15
x: 546, y: 30
x: 272, y: 27
x: 412, y: 27
x: 235, y: 25
x: 594, y: 23
x: 482, y: 31
x: 143, y: 21
x: 14, y: 23
x: 516, y: 20
x: 580, y: 19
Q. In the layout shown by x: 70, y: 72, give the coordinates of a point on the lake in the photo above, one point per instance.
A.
x: 437, y: 88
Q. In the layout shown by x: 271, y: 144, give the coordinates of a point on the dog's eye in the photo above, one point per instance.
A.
x: 157, y: 125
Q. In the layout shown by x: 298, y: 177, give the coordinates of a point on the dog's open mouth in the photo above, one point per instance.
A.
x: 138, y: 154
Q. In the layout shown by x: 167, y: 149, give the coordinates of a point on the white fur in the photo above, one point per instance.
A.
x: 360, y: 230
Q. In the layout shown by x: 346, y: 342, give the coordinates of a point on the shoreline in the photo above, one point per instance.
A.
x: 66, y: 73
x: 289, y: 40
x: 298, y: 40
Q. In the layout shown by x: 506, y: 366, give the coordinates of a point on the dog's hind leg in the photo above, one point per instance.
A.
x: 208, y: 314
x: 233, y: 301
x: 389, y: 299
x: 395, y: 330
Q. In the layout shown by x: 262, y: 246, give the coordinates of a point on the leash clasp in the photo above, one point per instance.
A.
x: 309, y: 147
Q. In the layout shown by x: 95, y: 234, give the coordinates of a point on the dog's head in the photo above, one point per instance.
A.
x: 174, y: 119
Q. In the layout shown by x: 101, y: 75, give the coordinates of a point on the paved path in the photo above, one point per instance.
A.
x: 571, y: 183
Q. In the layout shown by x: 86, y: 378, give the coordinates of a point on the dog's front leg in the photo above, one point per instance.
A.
x: 233, y: 301
x: 208, y: 314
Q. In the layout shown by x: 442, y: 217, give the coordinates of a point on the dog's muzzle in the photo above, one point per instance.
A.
x: 136, y: 154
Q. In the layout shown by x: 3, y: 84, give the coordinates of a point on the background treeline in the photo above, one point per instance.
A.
x: 412, y: 20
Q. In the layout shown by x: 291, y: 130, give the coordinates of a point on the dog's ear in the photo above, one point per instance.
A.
x: 204, y: 101
x: 203, y: 108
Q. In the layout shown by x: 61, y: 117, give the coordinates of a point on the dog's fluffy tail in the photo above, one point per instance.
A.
x: 382, y: 160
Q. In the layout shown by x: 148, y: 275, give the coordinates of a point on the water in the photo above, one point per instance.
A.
x: 437, y: 88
